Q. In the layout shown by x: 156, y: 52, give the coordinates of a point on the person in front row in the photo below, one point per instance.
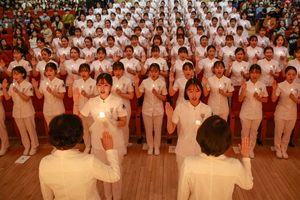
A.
x: 212, y: 175
x: 70, y: 174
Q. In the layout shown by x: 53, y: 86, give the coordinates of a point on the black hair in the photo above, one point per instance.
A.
x: 155, y: 65
x: 214, y: 136
x: 119, y: 65
x: 101, y: 49
x: 105, y: 76
x: 290, y: 68
x: 84, y: 66
x: 65, y: 131
x: 51, y: 65
x: 239, y: 49
x: 20, y: 70
x: 255, y: 67
x: 192, y: 81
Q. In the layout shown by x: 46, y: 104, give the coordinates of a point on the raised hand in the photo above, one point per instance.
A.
x: 243, y: 84
x: 136, y: 80
x: 71, y: 80
x: 169, y: 110
x: 35, y: 83
x: 76, y: 96
x: 4, y: 83
x: 204, y: 81
x: 107, y: 141
x: 245, y: 147
x: 274, y: 85
x: 171, y: 77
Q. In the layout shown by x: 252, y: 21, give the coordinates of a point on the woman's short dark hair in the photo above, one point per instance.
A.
x: 189, y: 65
x: 47, y: 51
x: 268, y: 48
x: 101, y: 49
x: 76, y: 49
x: 155, y: 65
x: 214, y: 136
x: 118, y: 65
x: 239, y: 49
x: 105, y: 76
x: 20, y: 70
x: 84, y: 66
x: 51, y: 65
x: 65, y: 131
x: 192, y: 81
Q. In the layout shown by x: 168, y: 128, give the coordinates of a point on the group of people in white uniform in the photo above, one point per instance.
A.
x: 206, y: 56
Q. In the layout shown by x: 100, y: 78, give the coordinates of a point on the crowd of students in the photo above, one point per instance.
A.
x: 143, y: 49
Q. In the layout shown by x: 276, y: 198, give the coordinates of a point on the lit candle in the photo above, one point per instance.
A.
x: 153, y: 86
x: 13, y: 84
x: 292, y: 90
x: 101, y: 115
x: 72, y: 67
x: 255, y: 89
x: 242, y: 69
x: 47, y: 83
x: 198, y: 122
x: 82, y: 87
x: 117, y: 86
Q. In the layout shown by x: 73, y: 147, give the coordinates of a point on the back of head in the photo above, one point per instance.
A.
x: 214, y: 136
x: 65, y: 131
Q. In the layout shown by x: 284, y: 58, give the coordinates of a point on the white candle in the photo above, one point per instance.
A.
x: 153, y: 85
x: 117, y: 86
x: 255, y: 89
x: 72, y: 67
x: 198, y: 122
x: 47, y: 83
x: 292, y: 90
x: 220, y: 85
x: 242, y: 69
x: 82, y: 87
x: 101, y: 115
x: 13, y: 84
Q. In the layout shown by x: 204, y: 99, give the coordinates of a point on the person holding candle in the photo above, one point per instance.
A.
x: 202, y: 48
x: 68, y: 173
x: 240, y: 40
x: 89, y: 31
x: 253, y: 52
x: 70, y: 67
x: 56, y: 42
x: 227, y: 52
x: 177, y: 64
x: 18, y: 61
x: 89, y: 50
x: 238, y: 69
x: 87, y: 88
x: 219, y: 38
x: 262, y: 40
x: 78, y: 40
x: 206, y: 64
x: 179, y: 85
x: 109, y: 114
x: 122, y: 87
x: 296, y: 63
x: 53, y: 90
x: 99, y: 40
x: 285, y: 115
x: 36, y: 52
x: 132, y: 66
x: 38, y: 68
x: 220, y: 88
x: 188, y: 117
x: 114, y: 53
x: 211, y: 174
x: 102, y: 65
x: 281, y: 53
x: 252, y: 93
x: 155, y: 92
x: 23, y: 111
x: 64, y: 50
x: 3, y: 132
x: 269, y: 67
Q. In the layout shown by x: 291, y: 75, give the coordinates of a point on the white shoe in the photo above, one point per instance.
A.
x: 251, y: 155
x: 87, y: 150
x: 26, y: 152
x: 33, y: 151
x: 285, y: 155
x: 3, y: 152
x: 279, y: 154
x: 150, y: 151
x: 156, y: 152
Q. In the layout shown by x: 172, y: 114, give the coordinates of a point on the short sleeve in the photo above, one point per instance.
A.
x: 142, y: 87
x: 164, y: 90
x: 85, y: 111
x: 175, y: 116
x: 278, y: 91
x: 230, y: 87
x: 62, y: 87
x: 264, y: 91
x: 121, y: 109
x: 130, y: 87
x: 29, y: 90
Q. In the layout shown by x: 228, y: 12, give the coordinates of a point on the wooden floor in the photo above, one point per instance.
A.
x: 155, y: 177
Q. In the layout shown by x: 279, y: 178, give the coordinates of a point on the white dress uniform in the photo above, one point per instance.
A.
x: 201, y: 51
x: 179, y: 85
x: 236, y: 69
x: 245, y: 24
x: 177, y: 69
x: 285, y: 114
x: 3, y: 131
x: 113, y: 108
x: 252, y: 51
x: 98, y: 40
x: 23, y: 113
x: 125, y: 85
x: 88, y: 52
x: 89, y: 86
x: 55, y: 42
x: 220, y: 40
x: 100, y: 24
x: 40, y: 67
x: 206, y: 65
x: 78, y: 41
x: 163, y: 51
x: 72, y: 65
x: 263, y: 41
x: 226, y: 52
x: 280, y: 51
x: 23, y: 63
x: 63, y: 51
x: 80, y: 173
x: 251, y: 110
x: 53, y: 106
x: 174, y: 51
x: 139, y: 51
x: 123, y: 41
x: 199, y: 180
x: 153, y: 110
x: 216, y: 101
x: 185, y: 116
x: 89, y: 32
x: 266, y: 66
x: 37, y: 52
x: 105, y: 65
x: 132, y: 64
x: 161, y: 62
x: 111, y: 51
x: 295, y: 63
x: 238, y: 39
x: 109, y: 31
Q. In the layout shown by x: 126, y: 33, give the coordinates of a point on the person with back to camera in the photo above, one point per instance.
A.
x: 70, y: 174
x: 212, y: 175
